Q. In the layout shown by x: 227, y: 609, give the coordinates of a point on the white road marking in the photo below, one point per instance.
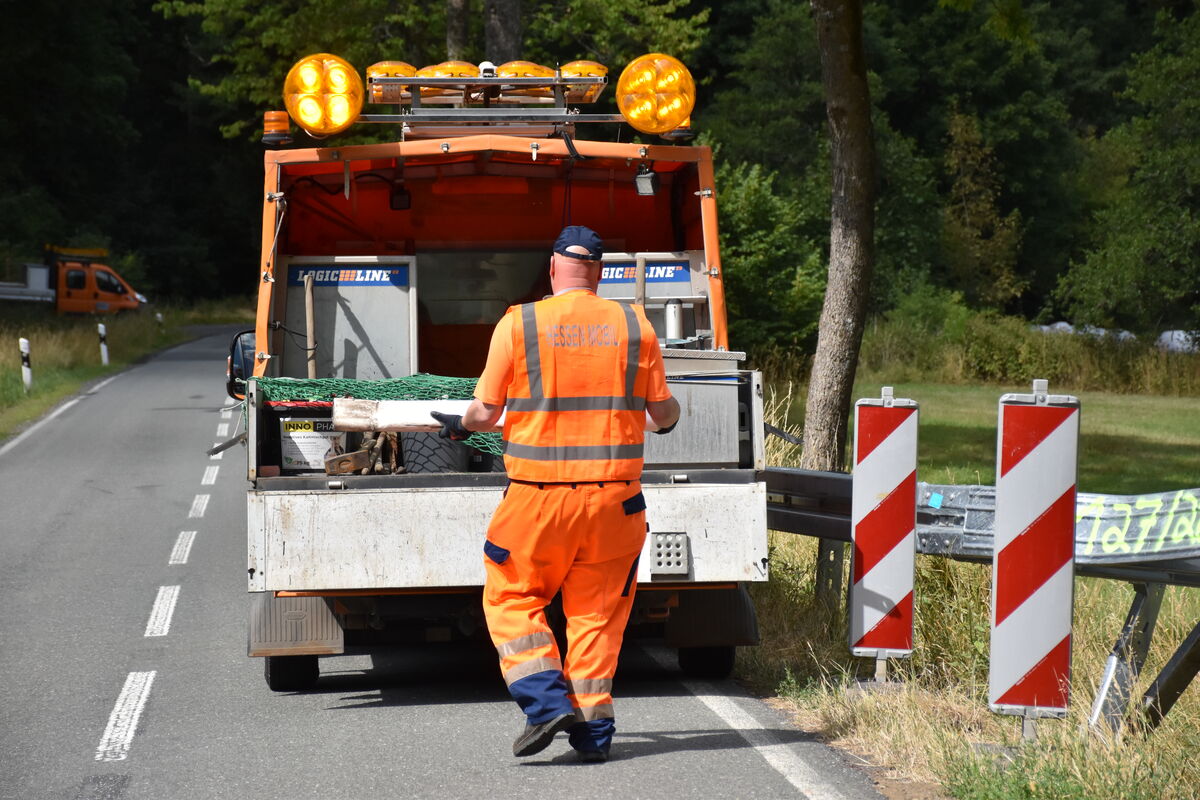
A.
x: 199, y: 505
x: 227, y: 413
x: 217, y: 456
x: 38, y: 424
x: 159, y: 623
x: 183, y: 547
x: 210, y: 476
x: 34, y: 427
x: 122, y: 723
x: 222, y: 430
x: 780, y: 755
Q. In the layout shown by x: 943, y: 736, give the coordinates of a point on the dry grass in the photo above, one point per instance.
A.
x: 937, y: 727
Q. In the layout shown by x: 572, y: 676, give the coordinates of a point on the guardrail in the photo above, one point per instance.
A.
x: 1149, y: 540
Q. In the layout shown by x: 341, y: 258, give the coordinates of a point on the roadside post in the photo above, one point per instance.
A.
x: 883, y: 529
x: 26, y: 369
x: 1033, y: 557
x: 103, y: 344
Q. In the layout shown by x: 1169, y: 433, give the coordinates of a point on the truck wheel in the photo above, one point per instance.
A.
x: 290, y: 673
x: 707, y: 662
x: 425, y: 452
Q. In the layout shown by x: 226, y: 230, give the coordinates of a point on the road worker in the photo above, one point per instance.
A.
x: 577, y: 374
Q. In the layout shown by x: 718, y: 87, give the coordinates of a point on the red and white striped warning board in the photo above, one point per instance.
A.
x: 1033, y: 561
x: 883, y: 512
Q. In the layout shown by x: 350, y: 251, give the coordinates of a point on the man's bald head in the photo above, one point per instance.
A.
x: 573, y: 273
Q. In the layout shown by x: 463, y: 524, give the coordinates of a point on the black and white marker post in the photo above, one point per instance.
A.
x: 103, y: 343
x: 26, y: 370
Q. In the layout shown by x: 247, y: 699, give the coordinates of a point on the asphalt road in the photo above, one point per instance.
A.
x: 123, y: 671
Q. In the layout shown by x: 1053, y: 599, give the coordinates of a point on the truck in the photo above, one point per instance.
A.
x: 74, y: 281
x: 383, y: 270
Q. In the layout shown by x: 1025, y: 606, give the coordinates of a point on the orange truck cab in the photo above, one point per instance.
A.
x: 76, y: 282
x: 389, y: 263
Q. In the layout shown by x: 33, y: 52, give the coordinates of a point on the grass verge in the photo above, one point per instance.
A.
x: 935, y: 737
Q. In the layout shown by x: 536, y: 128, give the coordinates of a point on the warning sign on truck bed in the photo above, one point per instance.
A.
x: 306, y: 443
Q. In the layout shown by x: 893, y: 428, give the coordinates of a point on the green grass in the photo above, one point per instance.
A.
x: 1129, y: 444
x: 938, y: 728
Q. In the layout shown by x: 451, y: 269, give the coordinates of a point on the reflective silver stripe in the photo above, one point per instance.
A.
x: 523, y: 643
x: 576, y: 404
x: 590, y: 686
x: 531, y: 667
x: 599, y: 452
x: 533, y: 357
x: 635, y: 346
x: 587, y: 713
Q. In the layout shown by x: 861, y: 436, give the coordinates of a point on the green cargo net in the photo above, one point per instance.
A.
x: 413, y: 387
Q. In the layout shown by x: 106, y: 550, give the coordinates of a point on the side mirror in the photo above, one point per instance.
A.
x: 240, y: 364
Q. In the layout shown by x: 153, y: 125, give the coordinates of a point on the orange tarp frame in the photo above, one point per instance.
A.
x: 480, y: 191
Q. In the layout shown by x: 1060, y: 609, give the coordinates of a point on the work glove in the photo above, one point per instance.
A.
x: 452, y: 427
x: 667, y: 429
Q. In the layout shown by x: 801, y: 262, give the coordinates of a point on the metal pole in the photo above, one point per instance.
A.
x: 310, y: 325
x: 103, y: 343
x: 639, y: 286
x: 26, y: 369
x: 1126, y: 660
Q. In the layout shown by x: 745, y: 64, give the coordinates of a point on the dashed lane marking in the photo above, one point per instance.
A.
x: 122, y: 723
x: 227, y: 413
x: 222, y: 430
x: 216, y: 456
x: 210, y: 476
x: 183, y: 547
x: 159, y: 623
x: 199, y: 506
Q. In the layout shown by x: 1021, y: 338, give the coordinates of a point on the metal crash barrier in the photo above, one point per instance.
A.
x: 1149, y: 540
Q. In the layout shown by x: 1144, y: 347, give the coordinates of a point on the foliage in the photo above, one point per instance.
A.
x: 612, y: 32
x: 775, y: 277
x: 1144, y: 272
x: 932, y: 334
x: 981, y: 246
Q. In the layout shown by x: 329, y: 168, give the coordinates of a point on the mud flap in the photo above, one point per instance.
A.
x: 293, y: 626
x: 714, y: 617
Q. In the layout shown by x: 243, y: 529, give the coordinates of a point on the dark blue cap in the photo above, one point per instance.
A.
x: 579, y: 236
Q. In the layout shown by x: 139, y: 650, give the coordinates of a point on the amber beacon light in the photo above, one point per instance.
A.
x: 323, y: 94
x: 656, y: 93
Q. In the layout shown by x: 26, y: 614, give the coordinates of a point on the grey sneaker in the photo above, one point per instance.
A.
x: 537, y: 738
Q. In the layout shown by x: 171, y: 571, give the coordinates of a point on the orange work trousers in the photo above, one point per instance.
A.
x: 583, y: 539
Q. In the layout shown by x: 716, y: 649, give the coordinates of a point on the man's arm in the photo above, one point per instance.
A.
x: 664, y: 413
x: 482, y: 416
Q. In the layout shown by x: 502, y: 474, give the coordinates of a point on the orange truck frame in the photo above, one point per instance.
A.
x: 385, y: 260
x: 75, y: 281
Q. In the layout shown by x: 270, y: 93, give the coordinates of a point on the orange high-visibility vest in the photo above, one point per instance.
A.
x: 576, y: 406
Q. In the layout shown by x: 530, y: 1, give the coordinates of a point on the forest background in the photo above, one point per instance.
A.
x: 1037, y: 160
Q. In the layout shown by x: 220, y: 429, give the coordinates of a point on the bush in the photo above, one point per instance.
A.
x: 932, y: 336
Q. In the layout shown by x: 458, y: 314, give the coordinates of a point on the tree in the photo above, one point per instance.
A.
x: 852, y: 231
x: 981, y: 246
x: 502, y: 30
x: 1144, y: 271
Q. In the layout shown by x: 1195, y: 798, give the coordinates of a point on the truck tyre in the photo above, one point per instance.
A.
x: 426, y: 452
x: 707, y: 662
x: 290, y: 673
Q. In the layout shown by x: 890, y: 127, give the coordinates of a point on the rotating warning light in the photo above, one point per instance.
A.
x: 323, y: 93
x: 656, y: 93
x: 389, y: 92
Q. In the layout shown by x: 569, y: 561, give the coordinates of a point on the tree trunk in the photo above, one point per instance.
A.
x: 456, y: 29
x: 851, y: 236
x: 502, y: 30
